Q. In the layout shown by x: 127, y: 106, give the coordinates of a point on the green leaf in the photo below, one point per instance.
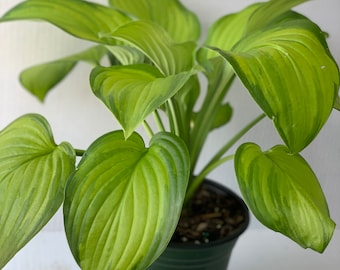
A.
x: 293, y: 87
x: 82, y: 19
x: 178, y: 21
x: 133, y: 92
x: 184, y: 102
x: 223, y: 116
x: 170, y: 57
x: 231, y: 28
x: 123, y: 203
x: 268, y: 11
x: 127, y: 55
x: 284, y: 194
x: 226, y: 32
x: 40, y: 79
x: 33, y: 172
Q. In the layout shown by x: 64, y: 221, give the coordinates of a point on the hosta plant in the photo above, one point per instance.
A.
x: 122, y: 201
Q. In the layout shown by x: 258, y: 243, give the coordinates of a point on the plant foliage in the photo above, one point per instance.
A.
x: 123, y: 200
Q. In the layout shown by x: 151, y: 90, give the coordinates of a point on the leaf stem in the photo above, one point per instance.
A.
x: 158, y: 120
x: 199, y: 179
x: 79, y: 152
x: 222, y: 79
x: 148, y: 129
x: 238, y: 136
x: 173, y: 117
x: 218, y: 158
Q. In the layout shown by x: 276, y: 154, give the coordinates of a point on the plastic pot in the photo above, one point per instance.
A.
x: 211, y: 256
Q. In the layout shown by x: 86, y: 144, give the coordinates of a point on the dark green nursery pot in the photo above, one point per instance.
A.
x: 211, y: 256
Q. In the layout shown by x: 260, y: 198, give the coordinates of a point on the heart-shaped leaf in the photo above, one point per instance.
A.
x: 33, y: 172
x: 123, y: 203
x: 82, y: 19
x: 40, y: 79
x: 170, y: 57
x: 284, y: 194
x: 133, y: 92
x: 171, y: 15
x: 280, y: 69
x: 273, y: 53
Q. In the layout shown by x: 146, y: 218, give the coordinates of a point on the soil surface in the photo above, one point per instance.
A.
x: 210, y: 216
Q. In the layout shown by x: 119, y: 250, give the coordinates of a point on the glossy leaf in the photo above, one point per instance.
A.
x: 293, y: 87
x: 123, y: 203
x: 82, y: 19
x: 33, y: 172
x: 133, y: 92
x: 40, y: 79
x: 170, y: 57
x: 284, y: 194
x: 180, y: 23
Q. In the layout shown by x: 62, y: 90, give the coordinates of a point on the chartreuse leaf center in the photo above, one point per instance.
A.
x: 168, y: 56
x: 132, y: 92
x: 33, y: 173
x: 171, y: 15
x: 277, y: 66
x: 284, y: 194
x: 88, y: 19
x: 123, y: 203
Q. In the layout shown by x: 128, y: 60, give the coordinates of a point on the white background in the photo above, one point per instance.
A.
x: 78, y: 117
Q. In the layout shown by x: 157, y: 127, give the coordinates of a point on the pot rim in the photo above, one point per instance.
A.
x: 232, y: 236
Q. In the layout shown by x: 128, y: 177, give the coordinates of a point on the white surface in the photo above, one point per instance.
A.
x: 257, y: 249
x: 260, y: 249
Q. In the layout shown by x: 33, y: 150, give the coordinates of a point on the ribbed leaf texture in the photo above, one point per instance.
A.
x: 133, y: 92
x: 285, y: 65
x: 82, y: 19
x: 284, y: 194
x: 123, y: 203
x: 181, y: 24
x: 33, y: 173
x: 168, y: 56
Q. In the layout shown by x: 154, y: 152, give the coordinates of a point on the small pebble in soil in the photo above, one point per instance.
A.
x: 204, y: 222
